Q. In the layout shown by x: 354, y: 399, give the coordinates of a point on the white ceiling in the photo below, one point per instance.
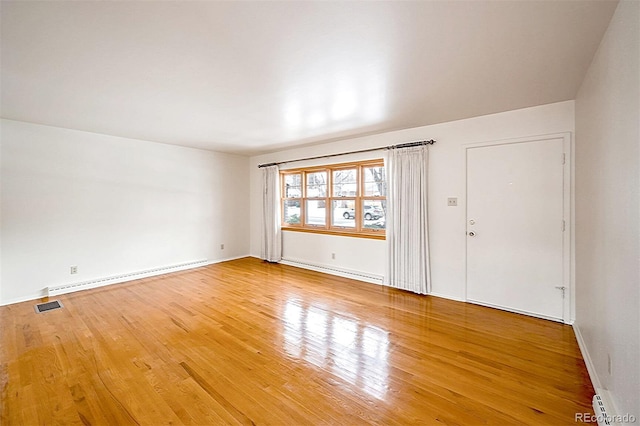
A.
x: 253, y: 77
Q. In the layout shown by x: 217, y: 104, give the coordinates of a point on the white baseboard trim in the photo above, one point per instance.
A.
x: 595, y: 380
x: 33, y: 296
x: 606, y: 396
x: 444, y: 296
x: 228, y: 259
x: 53, y: 291
x: 515, y: 311
x: 332, y: 270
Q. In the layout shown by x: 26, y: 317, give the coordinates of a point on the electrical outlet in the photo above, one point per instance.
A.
x: 221, y: 246
x: 452, y: 201
x: 74, y: 269
x: 333, y: 256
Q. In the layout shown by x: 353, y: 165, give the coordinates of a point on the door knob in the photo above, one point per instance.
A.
x: 472, y: 234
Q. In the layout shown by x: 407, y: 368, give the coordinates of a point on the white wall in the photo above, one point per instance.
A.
x: 446, y: 224
x: 1, y: 125
x: 607, y: 211
x: 111, y: 206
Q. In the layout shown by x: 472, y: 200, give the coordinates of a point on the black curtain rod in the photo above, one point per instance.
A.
x: 402, y: 145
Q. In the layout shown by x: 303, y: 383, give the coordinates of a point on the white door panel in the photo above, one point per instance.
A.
x: 515, y: 226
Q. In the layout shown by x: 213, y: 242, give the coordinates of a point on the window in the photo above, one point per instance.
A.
x: 345, y: 199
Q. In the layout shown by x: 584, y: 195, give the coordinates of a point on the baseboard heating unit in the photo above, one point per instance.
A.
x: 346, y: 273
x: 600, y: 411
x: 86, y: 285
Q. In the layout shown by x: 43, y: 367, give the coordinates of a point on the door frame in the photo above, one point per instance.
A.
x: 568, y: 252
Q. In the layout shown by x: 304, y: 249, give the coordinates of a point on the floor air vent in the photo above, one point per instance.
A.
x: 49, y: 306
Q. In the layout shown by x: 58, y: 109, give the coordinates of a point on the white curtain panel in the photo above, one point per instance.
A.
x: 271, y: 233
x: 407, y: 231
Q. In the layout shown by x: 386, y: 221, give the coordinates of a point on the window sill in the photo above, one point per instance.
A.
x: 371, y: 236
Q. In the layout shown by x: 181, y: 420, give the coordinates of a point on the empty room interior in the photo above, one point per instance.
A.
x: 310, y: 212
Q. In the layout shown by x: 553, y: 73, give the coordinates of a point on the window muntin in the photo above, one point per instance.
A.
x: 347, y: 199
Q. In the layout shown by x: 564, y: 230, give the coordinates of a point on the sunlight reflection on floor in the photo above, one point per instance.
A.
x: 353, y: 351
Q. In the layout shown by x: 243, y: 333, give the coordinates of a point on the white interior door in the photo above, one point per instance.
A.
x: 515, y: 227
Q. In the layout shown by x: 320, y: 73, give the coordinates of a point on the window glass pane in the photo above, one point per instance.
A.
x: 375, y: 183
x: 373, y: 213
x: 343, y: 213
x: 292, y: 186
x: 316, y: 212
x: 354, y: 202
x: 316, y: 184
x: 291, y: 211
x: 345, y: 183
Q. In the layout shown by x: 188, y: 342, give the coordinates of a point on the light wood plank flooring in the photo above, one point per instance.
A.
x: 247, y: 342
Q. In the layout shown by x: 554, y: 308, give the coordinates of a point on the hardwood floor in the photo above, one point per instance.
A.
x: 247, y: 342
